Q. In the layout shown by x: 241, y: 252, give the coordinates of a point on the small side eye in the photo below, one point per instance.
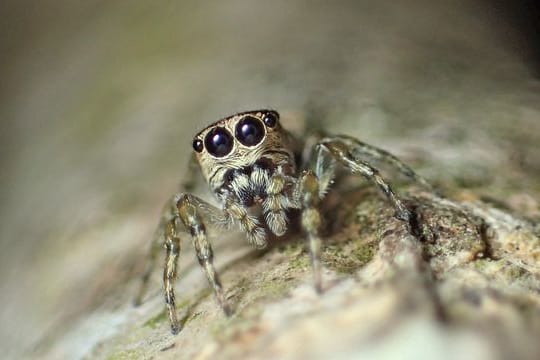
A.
x: 218, y: 142
x: 198, y: 145
x: 249, y: 131
x: 271, y: 119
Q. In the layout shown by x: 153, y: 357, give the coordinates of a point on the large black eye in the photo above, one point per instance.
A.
x: 249, y: 131
x: 218, y: 142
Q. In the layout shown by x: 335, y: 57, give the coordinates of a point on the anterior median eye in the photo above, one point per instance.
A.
x: 218, y: 142
x: 249, y: 131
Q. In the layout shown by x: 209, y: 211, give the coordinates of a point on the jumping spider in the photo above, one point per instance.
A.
x: 250, y: 161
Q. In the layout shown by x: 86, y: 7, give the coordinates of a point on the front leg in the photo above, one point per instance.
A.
x: 184, y: 212
x: 190, y: 209
x: 168, y: 216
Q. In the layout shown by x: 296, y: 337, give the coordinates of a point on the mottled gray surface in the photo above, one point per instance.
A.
x: 99, y: 103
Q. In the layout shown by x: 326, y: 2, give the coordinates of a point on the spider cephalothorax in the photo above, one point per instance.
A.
x: 239, y: 142
x: 247, y: 159
x: 250, y: 161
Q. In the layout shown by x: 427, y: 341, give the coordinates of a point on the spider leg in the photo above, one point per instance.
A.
x: 184, y: 212
x: 237, y: 214
x: 190, y: 212
x: 159, y: 238
x: 360, y: 149
x: 275, y: 204
x: 308, y: 193
x: 172, y: 246
x: 343, y: 153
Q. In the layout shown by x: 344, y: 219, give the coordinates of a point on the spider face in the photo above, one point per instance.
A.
x: 238, y: 142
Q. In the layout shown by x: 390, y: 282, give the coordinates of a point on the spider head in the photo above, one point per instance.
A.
x: 239, y: 141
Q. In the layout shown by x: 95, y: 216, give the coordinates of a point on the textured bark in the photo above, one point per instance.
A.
x: 101, y: 104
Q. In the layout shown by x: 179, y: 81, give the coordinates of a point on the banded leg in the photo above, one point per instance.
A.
x: 238, y: 214
x: 158, y: 242
x: 274, y: 205
x: 360, y: 149
x: 172, y: 247
x: 311, y: 222
x: 189, y: 211
x: 341, y: 152
x: 186, y: 211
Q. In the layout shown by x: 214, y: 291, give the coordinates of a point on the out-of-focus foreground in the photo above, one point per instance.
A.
x: 100, y: 100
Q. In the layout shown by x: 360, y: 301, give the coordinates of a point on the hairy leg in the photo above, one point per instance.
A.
x: 238, y: 214
x: 172, y: 247
x: 275, y: 204
x: 343, y: 153
x: 158, y: 242
x: 308, y: 192
x: 360, y: 149
x: 184, y: 212
x: 169, y: 212
x: 190, y: 211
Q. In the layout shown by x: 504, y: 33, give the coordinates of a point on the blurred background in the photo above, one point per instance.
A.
x: 100, y: 99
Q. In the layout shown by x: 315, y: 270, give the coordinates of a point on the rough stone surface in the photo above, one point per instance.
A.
x: 101, y: 101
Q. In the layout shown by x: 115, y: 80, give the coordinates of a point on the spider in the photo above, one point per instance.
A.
x: 251, y: 162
